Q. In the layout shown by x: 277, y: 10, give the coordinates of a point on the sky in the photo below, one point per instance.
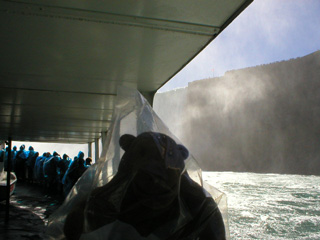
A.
x: 266, y: 31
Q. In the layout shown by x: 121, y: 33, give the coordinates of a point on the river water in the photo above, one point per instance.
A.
x: 260, y: 206
x: 270, y: 206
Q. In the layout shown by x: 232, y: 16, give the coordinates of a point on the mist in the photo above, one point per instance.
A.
x: 263, y: 119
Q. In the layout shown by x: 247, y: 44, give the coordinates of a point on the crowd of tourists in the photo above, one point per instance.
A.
x: 50, y: 170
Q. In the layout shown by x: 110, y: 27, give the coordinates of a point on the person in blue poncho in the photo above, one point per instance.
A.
x: 50, y: 170
x: 13, y: 155
x: 20, y: 166
x: 63, y: 165
x: 75, y: 170
x: 88, y: 161
x: 32, y: 155
x: 38, y: 168
x: 4, y: 154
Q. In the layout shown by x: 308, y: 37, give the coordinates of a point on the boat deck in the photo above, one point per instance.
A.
x: 30, y: 207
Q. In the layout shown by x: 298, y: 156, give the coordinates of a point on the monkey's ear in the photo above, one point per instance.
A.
x: 183, y: 151
x: 126, y: 140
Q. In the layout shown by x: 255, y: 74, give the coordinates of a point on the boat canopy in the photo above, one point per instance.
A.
x: 61, y: 61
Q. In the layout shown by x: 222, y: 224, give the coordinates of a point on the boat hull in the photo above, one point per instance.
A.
x: 3, y: 186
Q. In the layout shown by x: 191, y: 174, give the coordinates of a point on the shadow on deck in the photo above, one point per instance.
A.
x: 30, y: 207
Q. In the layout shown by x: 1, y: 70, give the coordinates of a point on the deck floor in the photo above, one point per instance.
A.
x: 30, y: 207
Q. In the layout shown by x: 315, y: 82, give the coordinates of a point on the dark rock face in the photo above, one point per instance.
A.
x: 260, y: 119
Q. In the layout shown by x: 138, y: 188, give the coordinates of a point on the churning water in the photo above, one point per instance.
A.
x: 270, y: 206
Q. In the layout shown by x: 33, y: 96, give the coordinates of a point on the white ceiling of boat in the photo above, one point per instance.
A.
x: 61, y: 61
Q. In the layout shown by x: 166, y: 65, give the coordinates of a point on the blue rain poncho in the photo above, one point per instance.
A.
x: 75, y: 170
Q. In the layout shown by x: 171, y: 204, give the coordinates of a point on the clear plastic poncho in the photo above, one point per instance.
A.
x: 132, y: 115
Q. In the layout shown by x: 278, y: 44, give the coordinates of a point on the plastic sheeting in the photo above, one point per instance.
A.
x: 132, y: 115
x: 2, y: 172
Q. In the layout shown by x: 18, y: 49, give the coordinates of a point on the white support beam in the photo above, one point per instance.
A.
x: 96, y: 147
x: 103, y: 138
x: 90, y: 149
